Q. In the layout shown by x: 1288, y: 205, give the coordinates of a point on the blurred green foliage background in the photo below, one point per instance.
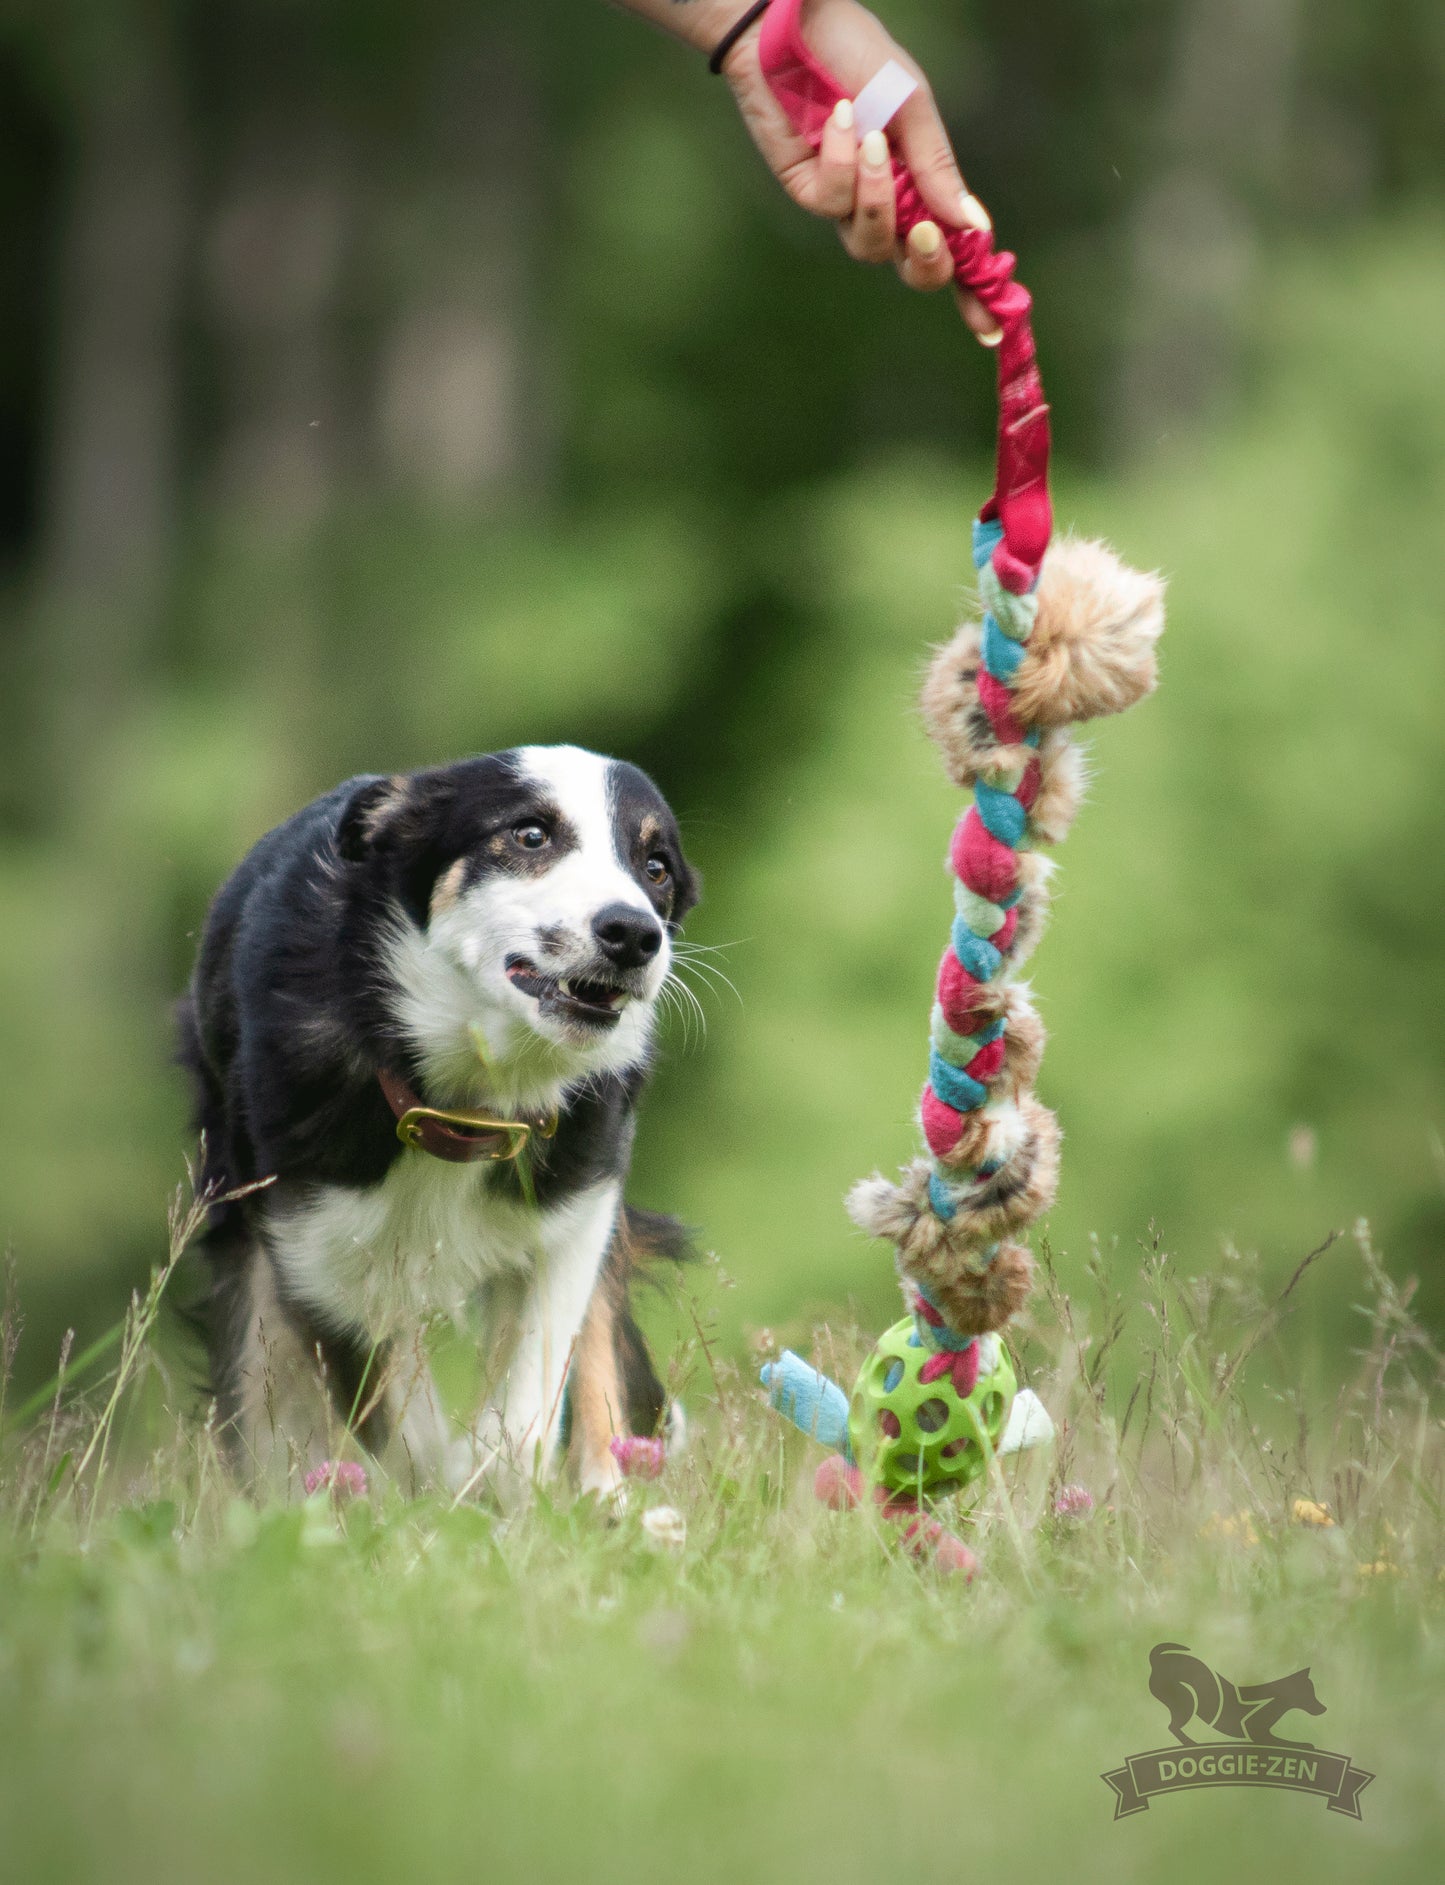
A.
x: 385, y: 382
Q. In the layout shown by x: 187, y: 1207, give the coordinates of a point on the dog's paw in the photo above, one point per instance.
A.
x: 603, y: 1480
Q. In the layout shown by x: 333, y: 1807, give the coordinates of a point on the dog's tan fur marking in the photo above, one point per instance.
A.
x: 448, y: 887
x: 383, y: 808
x: 598, y: 1403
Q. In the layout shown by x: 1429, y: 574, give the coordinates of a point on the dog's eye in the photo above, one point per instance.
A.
x: 530, y: 837
x: 656, y: 868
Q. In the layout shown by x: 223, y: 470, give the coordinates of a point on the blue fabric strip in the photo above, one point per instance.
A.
x: 1002, y: 656
x: 980, y: 958
x: 809, y: 1399
x: 1003, y: 817
x: 941, y: 1198
x: 986, y: 537
x: 955, y: 1087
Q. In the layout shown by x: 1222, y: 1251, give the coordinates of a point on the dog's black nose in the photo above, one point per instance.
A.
x: 629, y: 938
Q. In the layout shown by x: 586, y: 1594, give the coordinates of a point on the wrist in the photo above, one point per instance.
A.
x: 737, y: 49
x: 699, y: 23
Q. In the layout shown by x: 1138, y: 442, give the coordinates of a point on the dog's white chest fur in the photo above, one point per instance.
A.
x: 421, y: 1241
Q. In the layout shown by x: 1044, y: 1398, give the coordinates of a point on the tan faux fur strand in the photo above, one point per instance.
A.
x: 1091, y: 652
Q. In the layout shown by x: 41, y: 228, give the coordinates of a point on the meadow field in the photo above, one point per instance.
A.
x: 382, y: 385
x: 192, y: 1686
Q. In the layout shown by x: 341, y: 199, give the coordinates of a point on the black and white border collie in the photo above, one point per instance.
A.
x: 491, y: 938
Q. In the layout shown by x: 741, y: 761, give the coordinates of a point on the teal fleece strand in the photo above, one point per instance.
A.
x: 809, y: 1399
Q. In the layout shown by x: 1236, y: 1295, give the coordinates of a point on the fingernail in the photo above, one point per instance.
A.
x: 927, y: 238
x: 992, y: 338
x: 972, y: 213
x: 875, y: 150
x: 843, y: 115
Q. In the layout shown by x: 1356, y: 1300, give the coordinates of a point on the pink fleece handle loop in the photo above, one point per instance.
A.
x: 808, y: 92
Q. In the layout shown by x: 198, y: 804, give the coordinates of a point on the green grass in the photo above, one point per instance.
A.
x: 195, y: 1687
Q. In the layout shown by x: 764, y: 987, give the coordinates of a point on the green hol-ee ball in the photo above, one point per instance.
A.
x: 918, y: 1436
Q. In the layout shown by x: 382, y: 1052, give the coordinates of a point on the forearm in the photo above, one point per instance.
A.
x: 698, y: 23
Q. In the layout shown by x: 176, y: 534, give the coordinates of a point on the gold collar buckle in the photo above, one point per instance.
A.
x: 419, y: 1126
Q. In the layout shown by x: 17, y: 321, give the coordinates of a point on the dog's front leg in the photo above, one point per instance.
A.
x: 516, y: 1437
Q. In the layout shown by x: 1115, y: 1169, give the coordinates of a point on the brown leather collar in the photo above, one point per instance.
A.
x: 459, y: 1137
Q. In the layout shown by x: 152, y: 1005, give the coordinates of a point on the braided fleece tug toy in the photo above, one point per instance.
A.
x: 1067, y: 634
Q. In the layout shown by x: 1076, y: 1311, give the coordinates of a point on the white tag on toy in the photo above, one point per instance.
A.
x: 882, y: 97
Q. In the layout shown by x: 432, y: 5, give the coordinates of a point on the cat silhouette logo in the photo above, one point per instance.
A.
x: 1252, y: 1754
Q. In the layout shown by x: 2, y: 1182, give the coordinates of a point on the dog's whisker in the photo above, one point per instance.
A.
x: 711, y: 970
x: 667, y: 1006
x: 695, y: 962
x: 714, y: 978
x: 670, y: 1004
x: 681, y: 975
x: 689, y: 1005
x: 686, y: 1004
x: 681, y: 948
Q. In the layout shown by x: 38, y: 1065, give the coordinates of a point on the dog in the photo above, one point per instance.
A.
x: 420, y: 1019
x: 1189, y: 1688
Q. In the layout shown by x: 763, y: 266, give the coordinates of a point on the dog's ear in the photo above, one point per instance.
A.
x: 372, y: 814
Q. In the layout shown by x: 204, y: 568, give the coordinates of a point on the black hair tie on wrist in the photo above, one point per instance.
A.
x: 734, y: 33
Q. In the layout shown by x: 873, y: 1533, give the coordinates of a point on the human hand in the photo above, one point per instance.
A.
x: 850, y: 180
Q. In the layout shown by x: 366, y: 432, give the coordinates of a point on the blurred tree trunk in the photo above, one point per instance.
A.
x: 109, y: 505
x: 274, y: 256
x: 1194, y: 237
x: 458, y: 398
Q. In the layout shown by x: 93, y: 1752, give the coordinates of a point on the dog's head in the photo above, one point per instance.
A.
x: 529, y: 901
x: 1299, y: 1691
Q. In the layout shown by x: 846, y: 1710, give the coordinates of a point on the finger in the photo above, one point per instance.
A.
x: 926, y: 262
x: 981, y: 324
x: 926, y: 150
x: 837, y: 164
x: 868, y: 233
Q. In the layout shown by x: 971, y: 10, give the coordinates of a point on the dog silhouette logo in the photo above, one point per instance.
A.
x: 1251, y: 1752
x: 1192, y: 1691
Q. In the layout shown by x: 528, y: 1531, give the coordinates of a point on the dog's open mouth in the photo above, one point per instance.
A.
x: 587, y: 999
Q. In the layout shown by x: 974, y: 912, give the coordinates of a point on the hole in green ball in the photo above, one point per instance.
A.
x: 954, y: 1448
x: 906, y: 1463
x: 889, y: 1423
x: 989, y: 1412
x: 892, y: 1375
x: 932, y: 1416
